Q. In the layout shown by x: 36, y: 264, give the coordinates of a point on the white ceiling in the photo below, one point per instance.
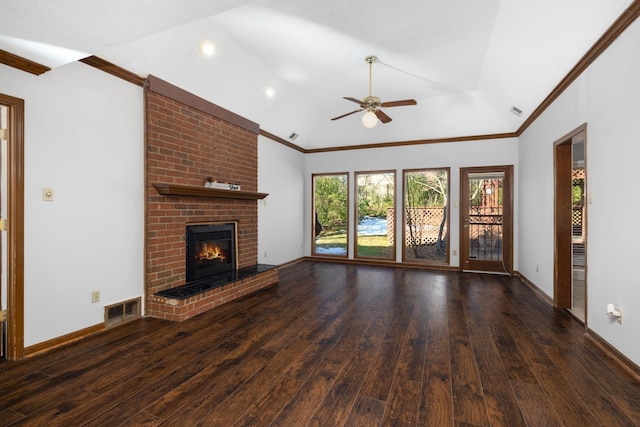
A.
x: 466, y: 62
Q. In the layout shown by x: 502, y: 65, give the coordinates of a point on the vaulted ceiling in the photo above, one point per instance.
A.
x: 467, y: 63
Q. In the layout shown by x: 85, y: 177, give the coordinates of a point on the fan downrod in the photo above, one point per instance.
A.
x: 371, y: 59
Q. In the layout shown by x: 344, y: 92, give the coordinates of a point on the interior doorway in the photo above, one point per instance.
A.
x: 570, y: 219
x: 486, y: 219
x: 4, y: 114
x: 12, y: 188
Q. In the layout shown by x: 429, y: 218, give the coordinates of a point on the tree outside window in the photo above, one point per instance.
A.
x: 426, y: 216
x: 375, y: 197
x: 331, y: 214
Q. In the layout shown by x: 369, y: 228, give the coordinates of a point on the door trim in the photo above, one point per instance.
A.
x: 562, y: 231
x: 507, y: 212
x: 15, y: 228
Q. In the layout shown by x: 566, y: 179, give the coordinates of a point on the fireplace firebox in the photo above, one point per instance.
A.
x: 211, y: 250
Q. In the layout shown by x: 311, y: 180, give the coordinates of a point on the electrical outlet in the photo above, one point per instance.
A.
x: 537, y: 268
x: 265, y: 254
x: 95, y: 297
x: 454, y: 253
x: 614, y: 312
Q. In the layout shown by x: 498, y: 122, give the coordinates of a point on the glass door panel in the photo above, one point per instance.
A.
x: 486, y: 219
x: 375, y: 215
x: 331, y: 214
x: 485, y: 216
x: 426, y: 223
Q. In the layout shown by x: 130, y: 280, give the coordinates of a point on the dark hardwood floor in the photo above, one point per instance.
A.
x: 336, y: 344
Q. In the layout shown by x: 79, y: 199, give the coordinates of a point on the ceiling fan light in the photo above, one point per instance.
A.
x: 369, y: 120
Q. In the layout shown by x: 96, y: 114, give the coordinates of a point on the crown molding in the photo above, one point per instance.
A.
x: 114, y: 70
x: 415, y: 142
x: 22, y: 64
x: 282, y: 141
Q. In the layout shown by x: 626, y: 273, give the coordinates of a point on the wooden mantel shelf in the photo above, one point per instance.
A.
x: 196, y: 191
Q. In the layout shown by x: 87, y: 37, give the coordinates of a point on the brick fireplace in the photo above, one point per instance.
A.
x: 187, y: 140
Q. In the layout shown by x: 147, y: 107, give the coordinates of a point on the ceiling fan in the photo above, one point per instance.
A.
x: 372, y: 104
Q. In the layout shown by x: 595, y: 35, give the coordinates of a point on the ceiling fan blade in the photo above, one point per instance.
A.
x: 399, y: 103
x: 348, y: 114
x: 382, y: 116
x: 357, y: 101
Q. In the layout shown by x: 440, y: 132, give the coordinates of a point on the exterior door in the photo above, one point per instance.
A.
x: 486, y: 219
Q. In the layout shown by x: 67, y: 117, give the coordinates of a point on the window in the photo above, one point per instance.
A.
x: 426, y: 219
x: 375, y: 231
x: 331, y: 214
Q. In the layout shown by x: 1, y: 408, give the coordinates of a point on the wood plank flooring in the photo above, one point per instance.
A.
x: 336, y: 344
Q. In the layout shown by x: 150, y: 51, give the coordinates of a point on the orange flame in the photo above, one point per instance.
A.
x: 210, y: 252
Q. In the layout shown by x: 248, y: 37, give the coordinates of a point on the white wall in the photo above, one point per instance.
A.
x: 280, y: 214
x: 83, y: 137
x: 536, y: 189
x: 453, y: 155
x: 606, y: 98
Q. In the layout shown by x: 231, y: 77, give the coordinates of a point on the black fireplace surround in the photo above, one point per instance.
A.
x: 211, y: 250
x: 211, y: 261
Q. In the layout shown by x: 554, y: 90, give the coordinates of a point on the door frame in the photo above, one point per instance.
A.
x: 507, y: 215
x: 562, y: 230
x: 15, y: 227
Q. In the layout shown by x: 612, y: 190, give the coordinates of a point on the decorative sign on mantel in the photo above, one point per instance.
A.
x: 223, y: 186
x: 209, y: 182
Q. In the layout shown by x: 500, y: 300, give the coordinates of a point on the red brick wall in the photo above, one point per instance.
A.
x: 185, y: 145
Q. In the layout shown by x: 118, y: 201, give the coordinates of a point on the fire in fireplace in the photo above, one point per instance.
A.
x: 211, y: 250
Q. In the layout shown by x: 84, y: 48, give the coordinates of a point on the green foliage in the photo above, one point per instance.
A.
x: 375, y: 194
x: 577, y: 192
x: 331, y: 193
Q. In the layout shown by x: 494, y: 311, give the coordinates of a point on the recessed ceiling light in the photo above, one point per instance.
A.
x: 270, y: 92
x: 207, y: 47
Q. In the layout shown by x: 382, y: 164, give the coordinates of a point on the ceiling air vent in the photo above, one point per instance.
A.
x: 516, y: 111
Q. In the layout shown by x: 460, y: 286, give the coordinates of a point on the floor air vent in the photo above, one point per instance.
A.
x: 122, y: 312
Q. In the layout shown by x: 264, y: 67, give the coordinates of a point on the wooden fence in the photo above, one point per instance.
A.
x: 421, y: 227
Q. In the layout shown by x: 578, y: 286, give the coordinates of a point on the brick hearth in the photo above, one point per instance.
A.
x: 181, y: 309
x: 187, y: 140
